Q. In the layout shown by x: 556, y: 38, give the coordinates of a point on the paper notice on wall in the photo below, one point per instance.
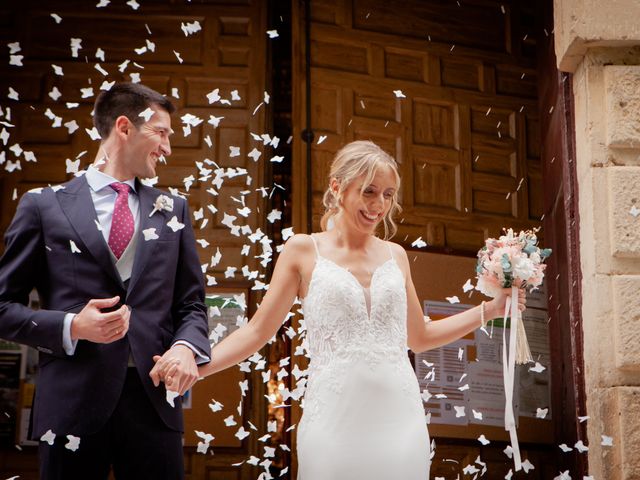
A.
x: 533, y: 380
x: 486, y: 394
x: 441, y: 372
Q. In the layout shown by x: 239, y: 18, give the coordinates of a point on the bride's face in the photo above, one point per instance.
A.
x: 364, y: 211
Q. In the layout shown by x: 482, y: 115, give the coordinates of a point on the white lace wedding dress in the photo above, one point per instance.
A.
x: 363, y: 414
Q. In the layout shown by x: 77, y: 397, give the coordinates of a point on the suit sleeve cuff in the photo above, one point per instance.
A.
x: 199, y: 357
x: 68, y: 344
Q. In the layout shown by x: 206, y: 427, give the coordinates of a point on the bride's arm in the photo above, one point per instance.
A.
x: 276, y: 304
x: 265, y: 323
x: 423, y: 336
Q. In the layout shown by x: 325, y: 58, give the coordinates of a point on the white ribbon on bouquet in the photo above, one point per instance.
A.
x: 509, y: 370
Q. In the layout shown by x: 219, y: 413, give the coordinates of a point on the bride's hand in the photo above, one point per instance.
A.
x: 496, y: 306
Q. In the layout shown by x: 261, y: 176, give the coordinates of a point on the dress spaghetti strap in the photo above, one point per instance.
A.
x: 390, y: 249
x: 315, y: 244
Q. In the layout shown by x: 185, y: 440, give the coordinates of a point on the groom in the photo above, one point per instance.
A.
x: 119, y: 280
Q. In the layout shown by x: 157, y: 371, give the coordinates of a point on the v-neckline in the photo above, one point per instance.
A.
x: 368, y: 307
x: 353, y: 276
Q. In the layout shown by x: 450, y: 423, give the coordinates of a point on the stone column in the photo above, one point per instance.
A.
x: 599, y: 42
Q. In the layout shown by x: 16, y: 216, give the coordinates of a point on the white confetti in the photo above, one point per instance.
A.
x: 273, y: 33
x: 190, y: 28
x: 93, y: 133
x: 103, y: 3
x: 235, y: 96
x: 56, y: 17
x: 177, y: 54
x: 467, y: 286
x: 581, y: 447
x: 419, y: 243
x: 73, y: 165
x: 55, y: 94
x: 274, y: 215
x: 99, y: 68
x: 527, y: 465
x: 321, y: 139
x: 147, y: 114
x: 57, y: 70
x: 234, y: 151
x: 174, y: 224
x: 241, y: 433
x: 133, y: 4
x: 72, y: 126
x: 399, y: 94
x: 542, y: 412
x: 453, y: 299
x: 277, y: 159
x: 565, y: 448
x: 87, y: 92
x: 635, y: 211
x: 215, y: 121
x: 606, y: 441
x: 483, y: 440
x: 16, y: 60
x: 459, y: 411
x: 537, y: 368
x: 150, y: 234
x: 13, y: 95
x: 74, y: 247
x: 287, y: 233
x: 171, y: 397
x: 48, y: 437
x: 73, y: 444
x: 14, y: 47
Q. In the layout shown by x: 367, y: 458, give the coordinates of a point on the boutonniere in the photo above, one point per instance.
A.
x: 163, y: 202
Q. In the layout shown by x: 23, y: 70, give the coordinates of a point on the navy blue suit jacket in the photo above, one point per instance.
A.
x: 77, y: 394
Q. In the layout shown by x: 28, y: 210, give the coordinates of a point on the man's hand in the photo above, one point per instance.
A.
x: 176, y: 368
x: 93, y: 325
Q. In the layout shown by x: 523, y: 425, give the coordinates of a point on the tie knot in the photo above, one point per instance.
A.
x: 120, y: 187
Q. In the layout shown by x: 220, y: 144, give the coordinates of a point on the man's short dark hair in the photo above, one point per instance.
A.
x: 128, y: 99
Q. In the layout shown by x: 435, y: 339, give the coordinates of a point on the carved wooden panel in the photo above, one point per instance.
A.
x: 466, y: 135
x: 227, y: 53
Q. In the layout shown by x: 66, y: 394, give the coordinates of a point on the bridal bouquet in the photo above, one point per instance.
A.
x: 511, y: 261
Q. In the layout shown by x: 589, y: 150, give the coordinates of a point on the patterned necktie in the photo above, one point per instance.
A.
x: 122, y: 224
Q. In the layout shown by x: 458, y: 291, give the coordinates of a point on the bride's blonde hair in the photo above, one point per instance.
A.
x: 361, y: 158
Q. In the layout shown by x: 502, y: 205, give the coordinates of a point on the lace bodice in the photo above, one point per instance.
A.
x: 339, y: 324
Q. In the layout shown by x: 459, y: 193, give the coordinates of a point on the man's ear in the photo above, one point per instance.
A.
x: 122, y: 125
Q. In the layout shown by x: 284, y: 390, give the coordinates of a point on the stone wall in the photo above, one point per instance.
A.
x: 600, y: 43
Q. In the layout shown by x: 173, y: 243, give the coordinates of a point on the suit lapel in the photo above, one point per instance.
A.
x: 147, y: 197
x: 77, y: 204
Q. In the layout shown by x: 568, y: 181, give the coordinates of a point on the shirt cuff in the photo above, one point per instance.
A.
x: 199, y: 357
x: 68, y: 344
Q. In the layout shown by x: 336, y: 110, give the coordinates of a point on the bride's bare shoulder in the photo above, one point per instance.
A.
x: 398, y: 250
x: 300, y: 245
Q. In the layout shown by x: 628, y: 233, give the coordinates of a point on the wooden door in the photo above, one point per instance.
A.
x: 466, y: 136
x: 184, y: 50
x: 464, y: 128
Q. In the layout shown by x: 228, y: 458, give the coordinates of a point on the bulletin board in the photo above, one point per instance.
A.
x: 468, y: 373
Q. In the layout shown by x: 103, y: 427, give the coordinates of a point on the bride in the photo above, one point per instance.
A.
x: 363, y: 413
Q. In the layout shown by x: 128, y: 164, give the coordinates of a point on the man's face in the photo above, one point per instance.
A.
x: 148, y: 143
